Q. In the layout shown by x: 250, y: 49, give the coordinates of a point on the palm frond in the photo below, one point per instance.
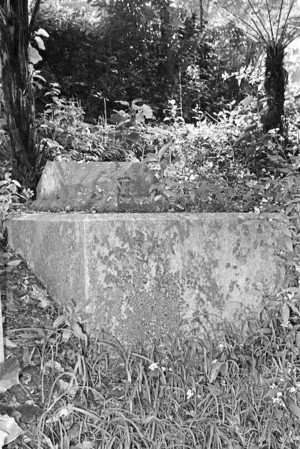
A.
x: 259, y: 19
x: 283, y: 33
x: 270, y: 28
x: 270, y: 21
x: 255, y: 28
x: 279, y: 20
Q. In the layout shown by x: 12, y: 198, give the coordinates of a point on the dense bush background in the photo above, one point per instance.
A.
x: 133, y: 50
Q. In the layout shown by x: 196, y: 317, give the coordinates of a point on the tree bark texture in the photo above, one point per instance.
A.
x: 275, y: 83
x: 18, y: 90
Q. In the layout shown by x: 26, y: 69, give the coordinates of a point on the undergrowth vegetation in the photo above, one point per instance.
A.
x: 236, y: 388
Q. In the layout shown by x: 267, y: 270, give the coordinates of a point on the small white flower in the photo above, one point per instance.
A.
x: 278, y: 400
x: 251, y: 183
x: 287, y: 326
x: 190, y: 393
x: 272, y: 131
x: 153, y: 366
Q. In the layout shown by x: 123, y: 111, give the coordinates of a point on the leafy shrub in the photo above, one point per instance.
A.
x: 11, y: 194
x: 203, y: 168
x: 63, y: 134
x: 8, y: 193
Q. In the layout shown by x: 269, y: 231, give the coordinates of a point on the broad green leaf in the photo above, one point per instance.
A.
x: 16, y: 183
x: 290, y: 181
x: 59, y: 321
x: 193, y: 195
x: 134, y: 136
x: 9, y: 374
x: 170, y: 183
x: 147, y: 111
x: 14, y: 263
x: 40, y: 295
x: 40, y: 42
x: 288, y: 242
x: 155, y: 186
x: 33, y: 55
x: 164, y: 149
x: 151, y: 157
x: 84, y: 445
x: 170, y: 194
x: 294, y: 409
x: 3, y: 436
x: 9, y: 430
x: 42, y: 32
x: 66, y: 335
x: 9, y: 344
x: 124, y: 103
x: 298, y: 339
x: 265, y: 331
x: 285, y: 315
x: 215, y: 369
x: 137, y: 100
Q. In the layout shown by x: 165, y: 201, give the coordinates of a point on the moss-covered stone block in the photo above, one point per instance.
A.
x: 141, y: 276
x: 96, y: 186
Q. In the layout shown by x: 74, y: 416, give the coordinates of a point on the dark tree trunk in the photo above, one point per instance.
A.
x: 166, y: 51
x: 201, y: 15
x: 18, y: 90
x: 275, y: 83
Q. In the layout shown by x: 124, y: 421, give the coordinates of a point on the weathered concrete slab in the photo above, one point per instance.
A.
x: 97, y: 186
x: 142, y: 275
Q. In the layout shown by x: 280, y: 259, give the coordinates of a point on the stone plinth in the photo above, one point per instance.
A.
x: 141, y: 276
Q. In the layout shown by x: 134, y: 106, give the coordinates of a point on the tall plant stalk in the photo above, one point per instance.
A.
x: 18, y: 94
